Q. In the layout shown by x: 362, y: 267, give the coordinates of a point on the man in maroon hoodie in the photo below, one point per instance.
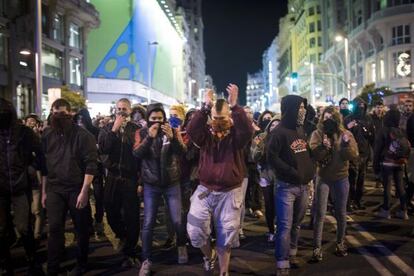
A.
x: 221, y: 170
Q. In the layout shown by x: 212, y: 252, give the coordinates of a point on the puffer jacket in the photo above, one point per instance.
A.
x: 160, y: 158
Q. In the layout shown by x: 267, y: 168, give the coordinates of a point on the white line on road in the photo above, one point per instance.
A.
x: 382, y: 270
x: 378, y: 246
x: 384, y: 250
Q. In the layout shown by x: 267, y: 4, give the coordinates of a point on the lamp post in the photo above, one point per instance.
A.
x: 347, y: 69
x: 312, y: 81
x: 191, y: 82
x: 153, y: 43
x: 38, y: 57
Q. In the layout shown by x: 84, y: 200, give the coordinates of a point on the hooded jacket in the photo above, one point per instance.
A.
x: 222, y: 165
x: 258, y: 152
x: 19, y: 146
x: 87, y: 122
x: 382, y: 153
x: 363, y: 131
x: 333, y: 164
x: 159, y: 157
x: 287, y: 150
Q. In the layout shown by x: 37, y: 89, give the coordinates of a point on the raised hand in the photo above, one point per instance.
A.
x: 233, y: 91
x: 208, y: 97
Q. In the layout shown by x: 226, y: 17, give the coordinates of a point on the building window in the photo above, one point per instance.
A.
x: 381, y: 42
x: 400, y: 2
x: 52, y: 63
x: 313, y: 58
x: 75, y: 71
x: 320, y: 57
x: 58, y: 28
x: 402, y: 64
x: 319, y: 41
x: 311, y: 11
x: 2, y: 8
x: 371, y: 50
x: 75, y: 36
x: 318, y: 9
x: 401, y: 34
x: 312, y: 42
x: 45, y: 20
x: 319, y: 26
x: 3, y: 49
x: 382, y: 69
x: 312, y: 27
x: 373, y: 72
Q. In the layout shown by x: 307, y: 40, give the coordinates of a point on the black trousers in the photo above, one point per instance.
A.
x: 58, y: 205
x: 122, y: 211
x: 357, y: 172
x: 98, y: 193
x: 20, y: 205
x: 253, y: 194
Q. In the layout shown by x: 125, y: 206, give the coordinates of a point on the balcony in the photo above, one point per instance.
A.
x: 390, y: 11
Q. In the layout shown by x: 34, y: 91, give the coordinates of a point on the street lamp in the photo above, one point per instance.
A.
x: 190, y: 89
x: 312, y: 81
x: 25, y: 52
x: 153, y: 43
x: 347, y: 68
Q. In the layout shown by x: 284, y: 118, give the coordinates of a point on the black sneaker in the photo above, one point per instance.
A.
x: 168, y: 245
x: 317, y: 255
x: 294, y: 261
x: 360, y: 206
x: 130, y: 262
x: 341, y: 250
x: 77, y: 271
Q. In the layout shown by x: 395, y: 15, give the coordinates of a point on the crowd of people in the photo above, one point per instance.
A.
x: 209, y: 167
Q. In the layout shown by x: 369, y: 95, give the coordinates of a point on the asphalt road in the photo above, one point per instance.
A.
x: 376, y: 247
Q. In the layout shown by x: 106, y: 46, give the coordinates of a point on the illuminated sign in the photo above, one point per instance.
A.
x: 404, y: 66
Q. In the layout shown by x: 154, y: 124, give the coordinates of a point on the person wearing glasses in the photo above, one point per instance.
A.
x: 71, y: 162
x: 121, y: 200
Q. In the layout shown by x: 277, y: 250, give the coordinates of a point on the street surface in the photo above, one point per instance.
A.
x: 376, y: 247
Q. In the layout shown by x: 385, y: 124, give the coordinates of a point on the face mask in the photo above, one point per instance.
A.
x: 61, y: 122
x: 345, y: 112
x: 264, y: 123
x: 301, y: 117
x: 5, y: 120
x: 151, y: 123
x: 220, y: 128
x: 175, y: 122
x: 330, y: 127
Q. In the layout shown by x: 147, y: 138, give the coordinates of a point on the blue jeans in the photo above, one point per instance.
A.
x: 339, y: 191
x: 291, y: 202
x: 152, y: 200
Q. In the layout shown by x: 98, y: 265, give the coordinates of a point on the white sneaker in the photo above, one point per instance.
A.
x: 182, y: 255
x: 145, y: 268
x: 209, y: 264
x: 258, y: 214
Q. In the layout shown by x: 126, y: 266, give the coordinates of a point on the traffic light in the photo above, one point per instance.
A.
x: 294, y: 75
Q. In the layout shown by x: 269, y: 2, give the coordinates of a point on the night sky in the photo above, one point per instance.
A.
x: 236, y: 33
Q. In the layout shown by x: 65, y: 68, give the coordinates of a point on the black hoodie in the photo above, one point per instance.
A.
x: 287, y: 150
x: 18, y: 147
x: 363, y: 131
x: 383, y: 141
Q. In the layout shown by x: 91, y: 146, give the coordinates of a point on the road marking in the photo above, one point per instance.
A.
x: 379, y: 246
x: 382, y: 270
x: 384, y: 250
